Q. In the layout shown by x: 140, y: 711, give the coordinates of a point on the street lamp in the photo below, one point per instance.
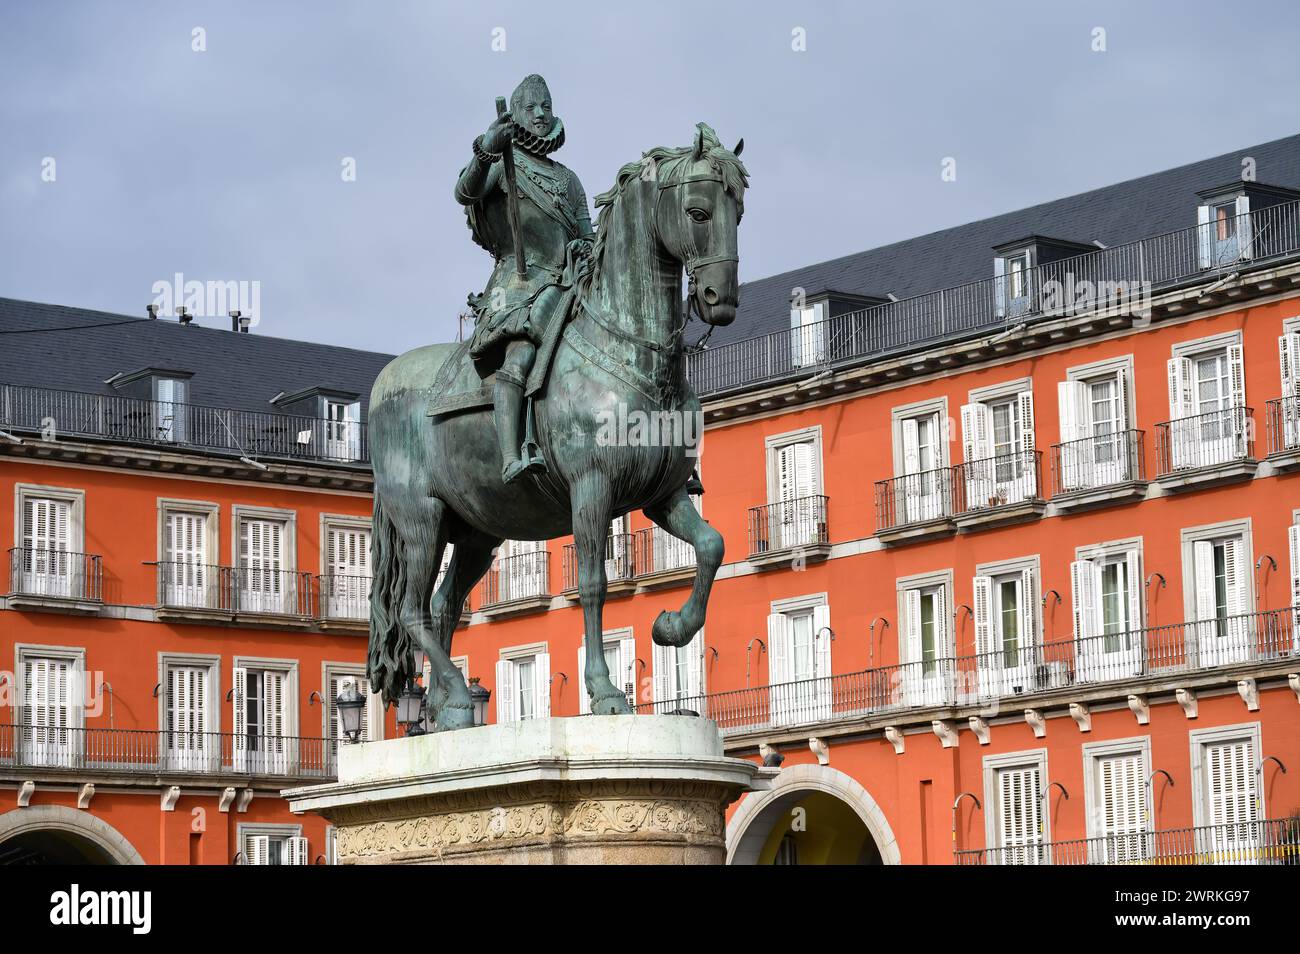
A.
x: 478, y: 697
x: 410, y: 708
x: 350, y: 705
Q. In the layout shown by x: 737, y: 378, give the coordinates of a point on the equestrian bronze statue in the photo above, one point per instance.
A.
x: 506, y: 436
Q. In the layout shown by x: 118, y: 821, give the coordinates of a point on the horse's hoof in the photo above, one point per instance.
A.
x: 668, y: 629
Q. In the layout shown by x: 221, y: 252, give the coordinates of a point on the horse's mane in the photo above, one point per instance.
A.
x: 665, y: 162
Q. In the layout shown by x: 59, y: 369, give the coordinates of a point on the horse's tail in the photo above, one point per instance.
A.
x: 391, y: 662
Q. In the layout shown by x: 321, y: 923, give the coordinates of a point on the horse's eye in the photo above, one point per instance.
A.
x: 698, y: 215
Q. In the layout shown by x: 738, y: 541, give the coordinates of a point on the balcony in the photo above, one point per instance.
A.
x: 1273, y: 841
x: 915, y: 506
x: 660, y: 559
x: 197, y: 592
x: 997, y: 491
x: 620, y: 575
x: 1206, y: 450
x: 1098, y: 471
x: 55, y: 580
x: 1283, y: 419
x: 343, y: 602
x: 788, y: 531
x: 1101, y: 281
x: 517, y: 584
x: 185, y: 427
x: 1114, y: 663
x: 111, y: 753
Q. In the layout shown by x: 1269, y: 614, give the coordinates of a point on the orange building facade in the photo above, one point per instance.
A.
x: 1012, y: 566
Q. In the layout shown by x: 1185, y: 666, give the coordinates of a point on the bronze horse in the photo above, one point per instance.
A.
x: 438, y: 479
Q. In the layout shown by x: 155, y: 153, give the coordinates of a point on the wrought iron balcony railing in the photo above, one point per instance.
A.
x: 658, y: 551
x: 788, y: 525
x: 1120, y: 275
x: 519, y: 577
x: 1000, y: 481
x: 1013, y: 671
x: 130, y: 420
x: 914, y: 499
x: 151, y: 751
x: 619, y: 561
x: 343, y: 597
x: 1273, y: 841
x: 234, y: 589
x: 55, y: 574
x: 1205, y: 440
x: 1099, y: 461
x: 1283, y: 421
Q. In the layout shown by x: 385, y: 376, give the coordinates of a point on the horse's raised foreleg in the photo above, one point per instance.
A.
x: 448, y: 700
x: 679, y: 517
x: 591, y: 515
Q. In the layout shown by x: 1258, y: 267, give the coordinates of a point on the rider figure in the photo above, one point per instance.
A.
x: 513, y: 311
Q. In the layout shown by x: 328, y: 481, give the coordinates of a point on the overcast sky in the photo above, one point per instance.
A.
x: 226, y: 164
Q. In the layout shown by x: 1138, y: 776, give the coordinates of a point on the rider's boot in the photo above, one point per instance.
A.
x: 508, y: 395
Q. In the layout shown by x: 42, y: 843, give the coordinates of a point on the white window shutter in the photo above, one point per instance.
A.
x: 542, y: 685
x: 695, y: 667
x: 982, y: 602
x: 1293, y: 543
x: 1236, y: 562
x: 1237, y: 374
x: 911, y: 446
x: 1135, y: 589
x: 584, y: 701
x: 968, y: 445
x: 1180, y: 388
x: 1084, y: 595
x: 627, y: 669
x: 661, y: 657
x: 822, y: 641
x: 1067, y: 399
x: 944, y: 641
x: 1028, y: 608
x: 299, y: 851
x: 1204, y: 237
x: 505, y: 694
x: 240, y: 741
x: 1122, y: 396
x: 778, y: 649
x: 1123, y: 794
x: 1000, y: 285
x: 259, y: 850
x: 1245, y: 235
x: 912, y: 635
x: 1026, y: 401
x: 1230, y: 780
x: 1203, y: 557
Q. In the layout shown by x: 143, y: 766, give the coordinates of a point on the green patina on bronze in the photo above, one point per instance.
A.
x: 592, y: 329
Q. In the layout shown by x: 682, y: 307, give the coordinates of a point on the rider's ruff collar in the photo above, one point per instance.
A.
x: 539, y: 145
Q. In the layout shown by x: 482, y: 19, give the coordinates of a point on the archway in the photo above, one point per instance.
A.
x: 813, y: 814
x: 56, y: 835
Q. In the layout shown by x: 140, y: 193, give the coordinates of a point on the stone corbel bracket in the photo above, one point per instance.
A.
x: 227, y: 799
x: 946, y: 731
x: 1187, y: 699
x: 85, y: 794
x: 1293, y: 680
x: 1141, y: 711
x: 245, y: 799
x: 980, y: 727
x: 894, y: 736
x: 1249, y: 693
x: 1036, y: 722
x: 821, y: 750
x: 170, y: 795
x: 1081, y: 715
x: 25, y: 792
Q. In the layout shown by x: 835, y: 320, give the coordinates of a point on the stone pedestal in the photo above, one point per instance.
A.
x: 588, y: 790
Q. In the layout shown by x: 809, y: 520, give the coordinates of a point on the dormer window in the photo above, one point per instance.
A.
x: 1012, y: 283
x: 159, y: 409
x: 1223, y: 231
x: 808, y: 334
x: 171, y: 409
x: 342, y: 429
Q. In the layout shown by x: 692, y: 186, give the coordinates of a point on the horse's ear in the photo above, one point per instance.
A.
x: 739, y: 147
x: 698, y: 152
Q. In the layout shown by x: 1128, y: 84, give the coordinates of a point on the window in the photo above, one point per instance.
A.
x: 998, y: 444
x: 274, y: 845
x: 794, y: 515
x: 925, y: 651
x: 346, y: 586
x: 49, y: 538
x: 1223, y: 232
x: 1228, y: 798
x: 519, y: 571
x: 1095, y: 443
x: 187, y: 552
x: 1288, y: 346
x: 171, y: 406
x: 679, y: 675
x: 620, y: 660
x: 267, y: 581
x: 1293, y: 545
x: 921, y: 490
x: 1207, y: 403
x: 1015, y: 788
x: 262, y: 705
x: 1006, y: 632
x: 808, y: 334
x: 1221, y: 573
x: 189, y: 693
x: 1119, y: 817
x: 342, y: 429
x: 1013, y: 284
x: 337, y: 677
x: 1106, y: 589
x: 799, y: 660
x: 523, y: 689
x: 52, y: 697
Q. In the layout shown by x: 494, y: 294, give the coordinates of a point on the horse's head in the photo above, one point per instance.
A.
x: 697, y: 212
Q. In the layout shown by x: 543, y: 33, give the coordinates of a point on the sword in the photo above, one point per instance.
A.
x: 512, y: 199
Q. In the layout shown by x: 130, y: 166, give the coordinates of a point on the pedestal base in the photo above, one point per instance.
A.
x: 588, y: 790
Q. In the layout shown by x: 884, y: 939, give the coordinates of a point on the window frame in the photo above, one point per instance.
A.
x: 1198, y: 739
x: 991, y: 766
x: 74, y: 496
x: 774, y: 443
x: 1093, y: 752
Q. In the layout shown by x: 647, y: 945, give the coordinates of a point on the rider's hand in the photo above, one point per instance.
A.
x: 498, y: 135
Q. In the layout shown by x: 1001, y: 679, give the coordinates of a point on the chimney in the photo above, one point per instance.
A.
x: 234, y: 320
x: 183, y: 315
x: 153, y: 311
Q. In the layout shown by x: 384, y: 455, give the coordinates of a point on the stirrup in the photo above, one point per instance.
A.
x: 531, y: 455
x: 512, y: 471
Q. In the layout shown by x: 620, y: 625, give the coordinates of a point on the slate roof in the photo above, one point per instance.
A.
x: 230, y: 370
x: 1114, y: 215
